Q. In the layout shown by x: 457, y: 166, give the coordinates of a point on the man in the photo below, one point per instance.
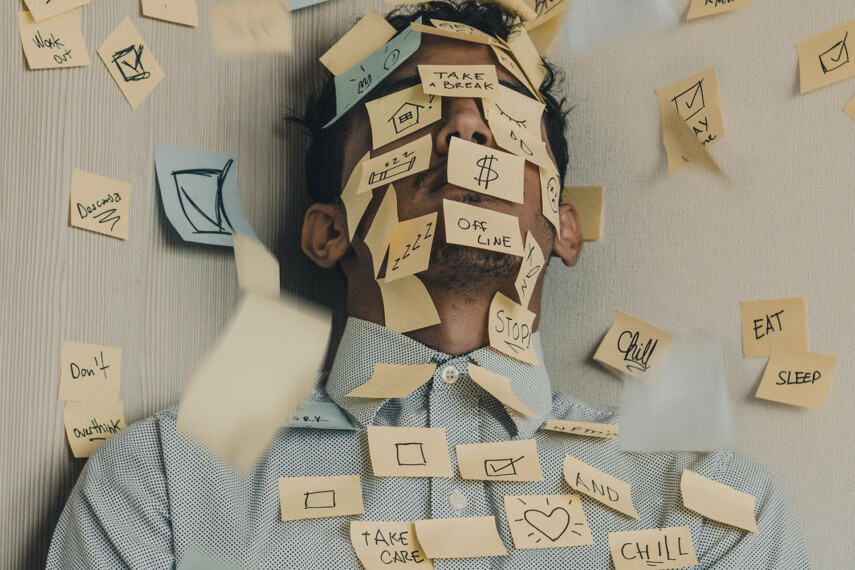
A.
x: 149, y: 495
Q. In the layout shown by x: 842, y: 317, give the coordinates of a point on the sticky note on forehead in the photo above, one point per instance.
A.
x: 456, y: 31
x: 401, y: 113
x: 487, y: 170
x: 398, y: 163
x: 460, y: 80
x: 634, y: 347
x: 826, y: 58
x: 654, y: 548
x: 767, y: 323
x: 368, y: 35
x: 481, y: 228
x: 797, y: 377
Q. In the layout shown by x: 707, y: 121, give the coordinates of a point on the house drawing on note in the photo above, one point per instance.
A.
x: 405, y: 117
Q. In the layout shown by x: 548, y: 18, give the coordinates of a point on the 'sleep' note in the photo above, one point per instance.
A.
x: 398, y: 163
x: 797, y: 377
x: 410, y: 247
x: 99, y: 204
x: 382, y: 228
x: 54, y: 42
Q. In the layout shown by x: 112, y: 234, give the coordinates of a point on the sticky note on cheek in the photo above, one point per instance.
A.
x: 381, y: 544
x: 634, y: 347
x: 100, y: 204
x: 781, y: 322
x: 409, y: 249
x: 550, y: 194
x: 398, y: 163
x: 797, y: 377
x: 401, y: 113
x: 320, y: 497
x: 664, y: 548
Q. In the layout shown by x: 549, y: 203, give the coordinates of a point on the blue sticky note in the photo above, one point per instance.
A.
x: 299, y: 4
x: 355, y: 83
x: 320, y: 415
x: 199, y: 192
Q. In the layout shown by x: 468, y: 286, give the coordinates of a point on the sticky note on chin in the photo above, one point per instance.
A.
x: 634, y: 347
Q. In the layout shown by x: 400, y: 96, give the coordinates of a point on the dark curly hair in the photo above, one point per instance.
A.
x: 325, y: 157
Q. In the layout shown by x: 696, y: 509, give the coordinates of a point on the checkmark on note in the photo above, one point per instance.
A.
x: 501, y: 467
x: 835, y: 56
x: 691, y: 101
x: 129, y: 62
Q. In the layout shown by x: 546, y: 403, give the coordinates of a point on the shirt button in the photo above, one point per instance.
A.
x: 450, y: 374
x: 457, y: 500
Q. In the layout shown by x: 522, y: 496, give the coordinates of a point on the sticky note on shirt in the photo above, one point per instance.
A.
x: 482, y: 228
x: 825, y: 58
x: 547, y: 521
x: 717, y: 501
x: 88, y: 424
x: 514, y: 460
x: 550, y: 194
x: 532, y: 264
x: 249, y: 27
x: 43, y: 9
x: 100, y: 204
x: 634, y: 347
x: 379, y: 235
x: 767, y: 323
x: 177, y: 11
x: 588, y: 201
x: 499, y: 387
x: 655, y: 548
x: 408, y: 452
x: 599, y: 485
x: 464, y: 537
x: 320, y: 497
x: 703, y: 8
x: 54, y: 42
x: 130, y: 62
x: 380, y: 544
x: 393, y: 380
x: 369, y: 34
x: 460, y: 80
x: 407, y: 305
x: 409, y: 249
x: 89, y: 372
x: 610, y: 431
x: 401, y: 113
x: 398, y: 163
x: 320, y: 415
x: 355, y: 203
x: 257, y: 268
x: 797, y: 377
x: 510, y: 327
x: 486, y: 170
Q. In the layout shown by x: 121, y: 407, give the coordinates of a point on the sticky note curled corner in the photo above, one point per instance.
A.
x: 88, y: 424
x: 598, y: 485
x: 53, y: 43
x: 383, y: 226
x: 797, y: 377
x: 465, y: 537
x: 499, y: 387
x: 717, y: 501
x: 664, y: 548
x: 393, y: 380
x: 371, y: 540
x: 320, y: 497
x: 257, y: 268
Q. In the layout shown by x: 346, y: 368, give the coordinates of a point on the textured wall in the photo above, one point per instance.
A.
x: 680, y: 252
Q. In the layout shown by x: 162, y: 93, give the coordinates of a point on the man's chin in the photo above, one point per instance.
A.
x: 468, y: 269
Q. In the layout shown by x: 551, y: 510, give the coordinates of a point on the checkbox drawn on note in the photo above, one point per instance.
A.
x: 691, y: 101
x: 410, y: 454
x: 129, y: 63
x: 501, y: 467
x: 835, y: 56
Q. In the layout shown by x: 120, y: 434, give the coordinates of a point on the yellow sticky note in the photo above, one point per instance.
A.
x: 54, y: 42
x: 514, y: 120
x: 598, y: 485
x: 515, y: 460
x: 257, y: 268
x: 547, y: 521
x: 249, y: 27
x: 609, y: 431
x: 532, y: 264
x: 89, y: 372
x: 355, y: 202
x: 797, y: 377
x: 696, y: 100
x: 88, y: 424
x: 543, y: 32
x: 457, y: 31
x: 634, y: 347
x: 487, y: 170
x: 702, y: 8
x: 544, y: 12
x: 499, y: 387
x: 682, y: 146
x: 398, y: 163
x: 408, y: 452
x: 510, y: 64
x: 394, y: 380
x: 320, y: 497
x: 407, y: 305
x: 368, y: 35
x: 849, y: 109
x: 510, y: 327
x: 482, y: 228
x: 99, y: 204
x: 382, y: 228
x: 43, y: 9
x: 550, y: 194
x: 401, y: 113
x: 767, y: 323
x: 588, y: 201
x: 527, y: 55
x: 380, y: 544
x: 460, y: 80
x: 177, y: 11
x: 409, y: 249
x: 825, y: 58
x: 130, y: 63
x: 463, y: 537
x: 717, y: 501
x: 654, y: 548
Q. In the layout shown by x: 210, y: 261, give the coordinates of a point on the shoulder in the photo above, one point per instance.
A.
x: 566, y: 407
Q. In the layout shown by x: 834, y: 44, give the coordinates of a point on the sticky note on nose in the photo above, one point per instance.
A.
x: 486, y: 170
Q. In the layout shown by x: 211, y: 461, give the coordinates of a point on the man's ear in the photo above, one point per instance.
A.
x: 325, y: 239
x: 568, y: 241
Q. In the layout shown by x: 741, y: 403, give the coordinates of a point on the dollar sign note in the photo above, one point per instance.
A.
x: 486, y: 174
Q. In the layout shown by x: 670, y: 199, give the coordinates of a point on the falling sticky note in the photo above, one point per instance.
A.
x: 398, y: 163
x: 355, y: 202
x: 393, y: 380
x: 463, y: 537
x: 702, y: 8
x: 257, y: 375
x: 130, y: 62
x: 487, y: 170
x: 200, y: 196
x: 89, y: 372
x: 481, y: 228
x: 54, y: 42
x: 797, y: 377
x: 250, y: 27
x: 410, y: 246
x: 320, y: 497
x: 257, y: 268
x: 599, y: 485
x: 654, y: 548
x: 407, y: 305
x: 401, y: 113
x: 368, y: 35
x: 682, y: 146
x: 510, y: 326
x: 550, y: 194
x: 88, y: 424
x: 825, y: 58
x: 717, y: 501
x: 99, y: 204
x: 588, y: 202
x: 532, y: 264
x: 379, y: 235
x: 379, y: 544
x: 408, y: 452
x: 547, y: 521
x: 767, y: 323
x: 460, y: 80
x: 609, y: 431
x: 177, y: 11
x: 634, y: 347
x: 43, y: 9
x: 499, y: 387
x: 515, y: 460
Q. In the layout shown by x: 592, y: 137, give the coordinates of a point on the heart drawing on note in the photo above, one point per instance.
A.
x: 552, y: 526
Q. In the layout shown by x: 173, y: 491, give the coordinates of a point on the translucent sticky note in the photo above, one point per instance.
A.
x: 409, y: 249
x: 532, y: 264
x: 257, y: 268
x: 588, y: 202
x: 250, y: 27
x: 609, y: 431
x: 89, y: 372
x: 515, y: 460
x: 547, y: 521
x: 703, y: 8
x: 464, y: 537
x: 767, y: 323
x: 43, y: 9
x: 634, y: 347
x: 54, y: 42
x: 481, y: 228
x: 401, y: 113
x: 380, y: 544
x: 460, y: 80
x: 100, y: 204
x: 393, y: 380
x: 320, y: 497
x: 598, y: 485
x: 797, y: 377
x: 368, y: 35
x: 487, y: 170
x: 653, y: 548
x: 407, y: 305
x: 717, y: 501
x: 320, y: 415
x: 825, y: 58
x: 499, y: 387
x: 89, y: 424
x: 177, y: 11
x: 408, y: 452
x: 130, y: 63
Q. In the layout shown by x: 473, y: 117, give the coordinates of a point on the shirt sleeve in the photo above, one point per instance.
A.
x: 118, y: 513
x: 778, y: 541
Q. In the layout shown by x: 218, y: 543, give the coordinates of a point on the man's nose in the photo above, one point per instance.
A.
x: 462, y: 118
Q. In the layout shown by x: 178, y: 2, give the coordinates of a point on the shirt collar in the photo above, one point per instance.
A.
x: 364, y: 344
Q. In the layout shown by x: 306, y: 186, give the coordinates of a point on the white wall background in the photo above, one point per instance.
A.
x: 681, y: 252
